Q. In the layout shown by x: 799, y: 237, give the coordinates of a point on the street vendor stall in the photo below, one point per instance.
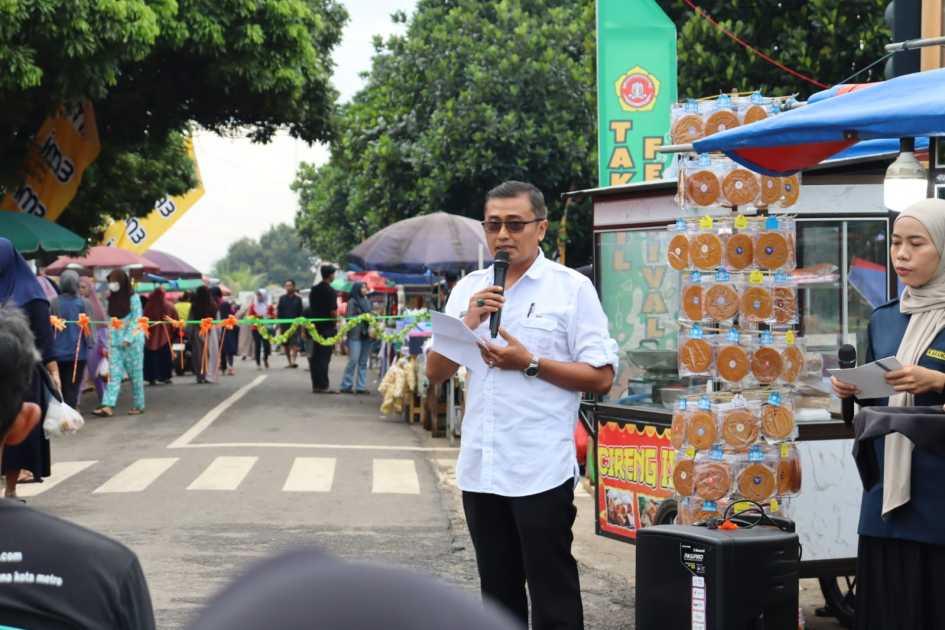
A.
x: 833, y: 224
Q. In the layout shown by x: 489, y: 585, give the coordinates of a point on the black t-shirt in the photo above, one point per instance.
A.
x: 322, y: 301
x: 56, y: 575
x: 290, y: 306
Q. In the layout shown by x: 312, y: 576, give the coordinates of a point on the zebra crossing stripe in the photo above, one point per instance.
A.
x: 224, y: 473
x: 310, y: 474
x: 395, y: 476
x: 138, y: 476
x: 60, y: 472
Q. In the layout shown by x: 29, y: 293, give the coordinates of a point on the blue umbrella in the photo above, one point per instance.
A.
x: 908, y: 106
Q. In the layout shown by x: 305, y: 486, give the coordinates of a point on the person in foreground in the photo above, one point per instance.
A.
x: 517, y: 463
x: 902, y: 532
x: 306, y: 589
x: 69, y: 577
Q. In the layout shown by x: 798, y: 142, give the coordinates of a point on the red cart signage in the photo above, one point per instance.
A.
x: 634, y: 475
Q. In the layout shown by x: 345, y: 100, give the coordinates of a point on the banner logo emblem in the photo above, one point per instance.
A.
x: 637, y: 90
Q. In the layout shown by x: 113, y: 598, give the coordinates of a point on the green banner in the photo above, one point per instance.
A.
x: 636, y: 88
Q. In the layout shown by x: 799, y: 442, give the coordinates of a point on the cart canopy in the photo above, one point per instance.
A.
x: 907, y: 106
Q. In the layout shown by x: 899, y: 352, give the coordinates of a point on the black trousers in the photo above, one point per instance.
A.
x: 70, y: 390
x: 521, y: 540
x: 261, y: 345
x: 318, y: 365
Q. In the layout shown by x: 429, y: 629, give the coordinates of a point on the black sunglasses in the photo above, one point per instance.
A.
x: 514, y: 227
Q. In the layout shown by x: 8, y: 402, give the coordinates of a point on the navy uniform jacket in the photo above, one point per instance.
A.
x: 923, y: 518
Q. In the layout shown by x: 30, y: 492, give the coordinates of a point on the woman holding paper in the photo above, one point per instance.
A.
x: 902, y: 516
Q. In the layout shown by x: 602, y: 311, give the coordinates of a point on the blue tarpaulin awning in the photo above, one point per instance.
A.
x: 908, y: 106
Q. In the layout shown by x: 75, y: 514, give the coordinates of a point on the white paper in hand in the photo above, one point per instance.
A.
x: 455, y: 341
x: 870, y: 379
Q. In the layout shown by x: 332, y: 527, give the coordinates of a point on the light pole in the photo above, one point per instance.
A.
x: 906, y: 180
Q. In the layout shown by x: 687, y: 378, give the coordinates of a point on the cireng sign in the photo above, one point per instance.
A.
x: 636, y: 87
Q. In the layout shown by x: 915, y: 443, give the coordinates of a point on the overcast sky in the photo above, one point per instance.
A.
x: 247, y: 185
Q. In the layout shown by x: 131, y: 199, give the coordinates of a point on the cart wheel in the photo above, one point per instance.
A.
x: 666, y: 513
x: 840, y: 596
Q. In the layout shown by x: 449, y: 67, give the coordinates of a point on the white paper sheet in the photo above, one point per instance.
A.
x: 870, y: 378
x: 455, y: 341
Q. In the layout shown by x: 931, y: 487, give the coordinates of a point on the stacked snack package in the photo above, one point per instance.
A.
x: 738, y: 313
x: 693, y: 120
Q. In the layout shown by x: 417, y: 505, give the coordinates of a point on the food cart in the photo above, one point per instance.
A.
x: 843, y: 273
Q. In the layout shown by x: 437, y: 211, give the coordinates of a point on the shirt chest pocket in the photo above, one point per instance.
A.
x: 539, y: 333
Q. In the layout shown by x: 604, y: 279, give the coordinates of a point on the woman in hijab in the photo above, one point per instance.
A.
x: 68, y: 305
x: 245, y: 337
x: 902, y: 517
x: 19, y: 287
x: 126, y: 346
x: 262, y: 309
x: 100, y: 336
x: 202, y: 348
x: 158, y: 355
x: 359, y: 342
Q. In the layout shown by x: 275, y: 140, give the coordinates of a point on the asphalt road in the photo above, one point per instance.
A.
x: 212, y: 477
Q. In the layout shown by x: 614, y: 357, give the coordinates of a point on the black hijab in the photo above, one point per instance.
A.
x: 119, y: 303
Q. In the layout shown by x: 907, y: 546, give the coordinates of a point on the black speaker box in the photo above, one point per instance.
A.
x: 695, y: 578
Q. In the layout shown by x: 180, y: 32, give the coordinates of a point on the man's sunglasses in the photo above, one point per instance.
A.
x: 514, y: 227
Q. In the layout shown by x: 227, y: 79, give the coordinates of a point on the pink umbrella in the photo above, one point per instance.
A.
x: 102, y: 256
x: 171, y: 266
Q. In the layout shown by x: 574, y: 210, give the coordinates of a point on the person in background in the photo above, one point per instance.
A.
x: 290, y: 307
x: 100, y: 338
x: 230, y: 337
x: 98, y: 582
x: 202, y: 348
x: 359, y: 342
x: 245, y: 337
x: 125, y: 346
x: 20, y: 288
x: 291, y: 590
x: 69, y: 350
x: 323, y: 306
x: 183, y: 306
x: 261, y: 308
x: 158, y: 354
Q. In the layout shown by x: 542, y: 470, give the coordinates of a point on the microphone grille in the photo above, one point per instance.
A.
x: 502, y: 256
x: 846, y: 353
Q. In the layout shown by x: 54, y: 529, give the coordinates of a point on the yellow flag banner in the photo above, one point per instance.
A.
x: 66, y: 144
x: 138, y: 235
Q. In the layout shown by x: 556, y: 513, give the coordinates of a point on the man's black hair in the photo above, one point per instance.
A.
x: 18, y: 357
x: 327, y: 270
x: 512, y: 188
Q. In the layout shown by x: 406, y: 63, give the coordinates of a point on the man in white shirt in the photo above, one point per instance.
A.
x: 517, y: 464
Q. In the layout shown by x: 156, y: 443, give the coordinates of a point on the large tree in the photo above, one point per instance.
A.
x: 477, y: 91
x: 153, y: 68
x: 277, y: 256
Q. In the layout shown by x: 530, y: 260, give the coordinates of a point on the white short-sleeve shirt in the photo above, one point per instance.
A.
x: 518, y: 431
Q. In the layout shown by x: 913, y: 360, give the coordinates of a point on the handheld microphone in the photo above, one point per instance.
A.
x: 846, y: 357
x: 500, y: 268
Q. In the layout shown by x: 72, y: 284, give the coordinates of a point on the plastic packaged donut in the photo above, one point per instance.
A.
x: 775, y: 243
x: 713, y: 476
x: 677, y: 250
x: 732, y: 358
x: 695, y: 353
x: 785, y: 300
x: 705, y: 250
x: 789, y: 470
x: 790, y: 190
x: 677, y: 431
x: 702, y: 429
x: 721, y: 116
x: 777, y: 417
x: 756, y: 302
x: 756, y: 475
x: 766, y: 362
x: 771, y: 190
x: 692, y: 300
x: 683, y: 478
x: 687, y: 123
x: 740, y: 423
x: 740, y: 187
x: 792, y: 358
x: 695, y: 511
x: 720, y: 298
x: 739, y: 246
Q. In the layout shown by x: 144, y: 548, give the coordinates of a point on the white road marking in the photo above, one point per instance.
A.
x: 395, y: 476
x: 60, y: 472
x: 310, y: 474
x: 224, y: 473
x: 339, y: 447
x: 193, y: 432
x: 137, y: 476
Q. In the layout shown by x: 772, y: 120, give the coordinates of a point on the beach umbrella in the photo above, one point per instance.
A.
x: 171, y: 266
x: 437, y: 242
x: 910, y: 106
x: 102, y: 256
x: 31, y: 234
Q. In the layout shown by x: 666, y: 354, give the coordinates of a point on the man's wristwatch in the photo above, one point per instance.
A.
x: 532, y: 369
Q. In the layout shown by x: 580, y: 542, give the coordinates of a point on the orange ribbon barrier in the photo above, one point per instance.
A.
x: 84, y: 330
x: 143, y: 327
x: 57, y: 323
x: 206, y: 325
x: 117, y: 324
x: 179, y: 325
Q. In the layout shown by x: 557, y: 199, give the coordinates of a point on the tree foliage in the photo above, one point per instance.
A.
x: 828, y: 40
x: 473, y: 94
x: 153, y: 68
x: 277, y: 256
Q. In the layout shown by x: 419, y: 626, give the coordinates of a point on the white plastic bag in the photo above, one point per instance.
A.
x: 103, y: 369
x: 61, y: 419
